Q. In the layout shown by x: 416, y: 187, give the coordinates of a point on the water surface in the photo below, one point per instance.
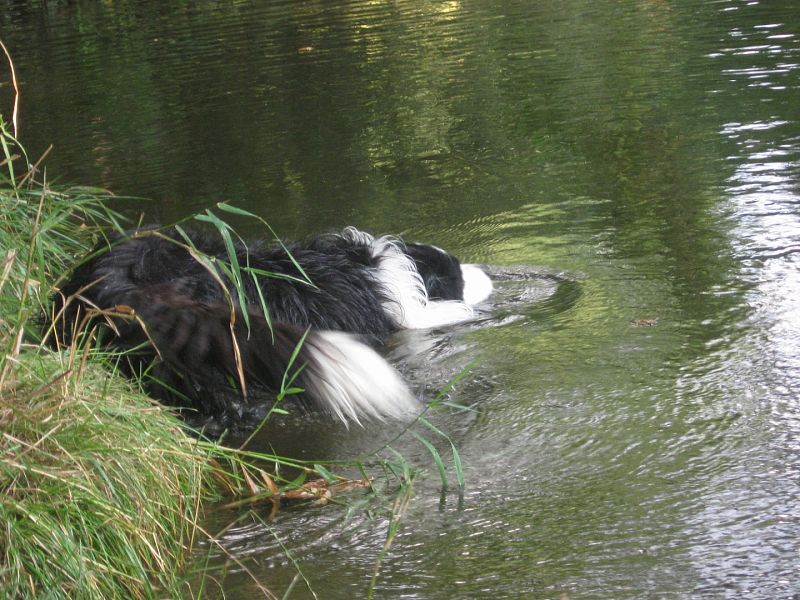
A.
x: 629, y: 171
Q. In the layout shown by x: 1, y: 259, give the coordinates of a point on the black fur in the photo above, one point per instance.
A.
x: 440, y: 271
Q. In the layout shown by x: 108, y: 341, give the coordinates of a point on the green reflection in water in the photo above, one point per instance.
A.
x: 616, y: 162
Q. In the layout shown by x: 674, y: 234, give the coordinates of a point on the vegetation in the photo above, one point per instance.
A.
x: 99, y: 488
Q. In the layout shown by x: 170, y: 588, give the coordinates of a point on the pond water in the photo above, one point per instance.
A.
x: 630, y: 172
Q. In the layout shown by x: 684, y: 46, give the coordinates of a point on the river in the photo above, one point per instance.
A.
x: 629, y: 172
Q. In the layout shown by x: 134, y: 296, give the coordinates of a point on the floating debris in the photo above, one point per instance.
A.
x: 644, y: 322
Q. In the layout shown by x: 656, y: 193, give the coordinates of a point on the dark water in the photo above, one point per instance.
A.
x: 614, y: 162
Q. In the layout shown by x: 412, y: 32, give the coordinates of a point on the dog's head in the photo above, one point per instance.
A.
x: 440, y: 271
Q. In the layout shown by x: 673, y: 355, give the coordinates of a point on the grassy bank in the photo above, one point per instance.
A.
x: 99, y: 487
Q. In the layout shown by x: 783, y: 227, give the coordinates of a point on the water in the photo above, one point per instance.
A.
x: 630, y: 173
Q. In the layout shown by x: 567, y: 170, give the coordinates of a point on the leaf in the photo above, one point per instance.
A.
x: 282, y: 276
x: 251, y: 484
x: 263, y: 302
x: 459, y: 406
x: 224, y: 206
x: 292, y: 358
x: 326, y: 474
x: 433, y: 428
x: 299, y: 480
x: 451, y: 384
x: 269, y: 482
x: 238, y: 211
x: 184, y: 235
x: 437, y: 458
x: 458, y: 467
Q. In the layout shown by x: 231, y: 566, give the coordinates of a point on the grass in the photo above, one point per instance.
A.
x: 100, y: 488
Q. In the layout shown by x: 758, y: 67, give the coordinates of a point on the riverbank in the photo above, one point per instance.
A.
x: 101, y: 488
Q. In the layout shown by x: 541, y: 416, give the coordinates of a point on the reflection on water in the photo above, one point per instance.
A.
x: 613, y: 163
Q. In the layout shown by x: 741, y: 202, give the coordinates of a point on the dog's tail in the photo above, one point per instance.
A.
x: 207, y: 347
x: 349, y: 380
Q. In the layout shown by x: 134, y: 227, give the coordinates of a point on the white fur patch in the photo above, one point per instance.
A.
x: 409, y: 306
x: 351, y: 381
x: 477, y: 285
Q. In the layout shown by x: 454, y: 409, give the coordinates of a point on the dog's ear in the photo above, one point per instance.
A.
x: 440, y: 271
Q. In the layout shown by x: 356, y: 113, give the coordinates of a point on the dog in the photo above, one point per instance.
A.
x: 205, y: 320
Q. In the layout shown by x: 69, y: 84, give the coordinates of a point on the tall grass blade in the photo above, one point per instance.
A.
x: 238, y: 211
x: 437, y: 458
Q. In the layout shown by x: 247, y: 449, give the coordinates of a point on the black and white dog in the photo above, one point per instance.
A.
x: 172, y: 303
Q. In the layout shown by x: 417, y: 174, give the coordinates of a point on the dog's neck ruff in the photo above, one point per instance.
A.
x: 407, y: 302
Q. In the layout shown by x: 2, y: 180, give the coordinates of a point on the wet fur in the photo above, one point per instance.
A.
x: 181, y: 330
